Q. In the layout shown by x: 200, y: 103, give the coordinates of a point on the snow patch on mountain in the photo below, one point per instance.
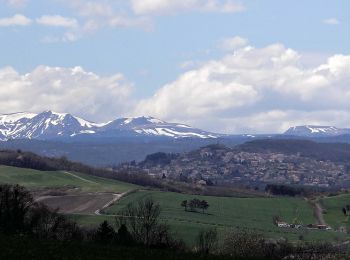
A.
x: 316, y: 131
x: 11, y: 118
x: 52, y: 125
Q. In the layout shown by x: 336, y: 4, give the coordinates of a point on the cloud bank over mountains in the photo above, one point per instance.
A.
x: 257, y: 89
x: 249, y: 89
x: 64, y: 89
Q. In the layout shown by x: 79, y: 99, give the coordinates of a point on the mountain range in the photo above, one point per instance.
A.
x: 51, y: 125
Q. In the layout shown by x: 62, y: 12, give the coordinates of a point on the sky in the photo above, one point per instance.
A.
x: 249, y: 66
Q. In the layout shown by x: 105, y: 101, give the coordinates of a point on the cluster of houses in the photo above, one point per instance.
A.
x: 225, y: 165
x: 282, y: 224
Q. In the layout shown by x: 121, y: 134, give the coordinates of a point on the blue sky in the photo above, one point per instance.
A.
x: 145, y: 50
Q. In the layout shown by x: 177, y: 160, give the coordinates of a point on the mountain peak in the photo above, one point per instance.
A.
x: 143, y: 120
x: 316, y: 131
x: 53, y: 125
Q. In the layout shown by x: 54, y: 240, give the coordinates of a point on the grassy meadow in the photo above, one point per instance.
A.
x: 333, y: 214
x: 224, y: 213
x: 33, y: 180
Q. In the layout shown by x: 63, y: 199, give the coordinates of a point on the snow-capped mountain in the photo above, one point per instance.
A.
x: 316, y: 131
x: 51, y: 125
x: 149, y: 126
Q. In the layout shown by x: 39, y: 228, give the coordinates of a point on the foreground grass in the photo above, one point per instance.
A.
x: 254, y: 214
x: 33, y: 179
x: 333, y: 210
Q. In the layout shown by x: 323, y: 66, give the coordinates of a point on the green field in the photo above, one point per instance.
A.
x: 34, y: 180
x: 253, y: 214
x: 224, y: 213
x: 333, y: 214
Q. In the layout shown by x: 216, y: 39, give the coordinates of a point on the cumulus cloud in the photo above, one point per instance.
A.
x: 93, y: 15
x: 256, y: 90
x: 71, y: 90
x: 98, y: 14
x: 16, y: 20
x: 331, y: 21
x: 160, y: 7
x: 57, y: 21
x: 233, y: 43
x: 16, y: 3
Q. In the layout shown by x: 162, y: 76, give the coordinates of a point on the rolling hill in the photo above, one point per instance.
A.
x: 77, y: 182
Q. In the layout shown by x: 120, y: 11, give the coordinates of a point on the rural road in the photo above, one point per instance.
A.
x: 115, y: 199
x: 80, y: 178
x: 318, y: 212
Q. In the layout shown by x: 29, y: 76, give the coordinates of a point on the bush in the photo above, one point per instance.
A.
x: 242, y: 244
x: 207, y: 241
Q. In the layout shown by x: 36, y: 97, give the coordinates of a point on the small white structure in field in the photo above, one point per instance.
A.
x: 283, y: 225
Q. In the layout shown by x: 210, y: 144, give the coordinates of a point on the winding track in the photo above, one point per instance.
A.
x: 115, y: 199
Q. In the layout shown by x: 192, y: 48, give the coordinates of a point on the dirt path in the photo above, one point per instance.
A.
x: 86, y: 203
x: 115, y: 199
x: 318, y: 211
x: 80, y: 178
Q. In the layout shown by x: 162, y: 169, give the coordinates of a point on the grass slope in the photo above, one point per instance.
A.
x: 33, y: 180
x: 232, y: 213
x: 333, y: 210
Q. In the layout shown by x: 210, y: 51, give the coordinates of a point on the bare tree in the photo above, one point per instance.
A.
x: 207, y: 241
x: 15, y: 203
x: 142, y: 220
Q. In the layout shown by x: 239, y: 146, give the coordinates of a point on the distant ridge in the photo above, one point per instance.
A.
x: 50, y: 125
x: 316, y: 131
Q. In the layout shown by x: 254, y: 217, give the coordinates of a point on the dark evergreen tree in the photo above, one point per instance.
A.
x: 123, y: 236
x: 105, y: 232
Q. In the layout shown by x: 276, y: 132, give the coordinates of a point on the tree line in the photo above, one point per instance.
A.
x: 33, y: 161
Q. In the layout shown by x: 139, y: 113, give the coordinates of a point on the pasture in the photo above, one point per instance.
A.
x: 224, y: 213
x: 333, y: 210
x: 80, y: 195
x: 34, y: 180
x: 67, y: 191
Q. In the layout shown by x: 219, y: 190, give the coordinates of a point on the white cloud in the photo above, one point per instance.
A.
x: 331, y: 21
x: 16, y: 20
x: 95, y: 15
x: 160, y: 7
x: 256, y: 90
x: 57, y: 21
x: 71, y: 90
x: 233, y: 43
x: 16, y: 3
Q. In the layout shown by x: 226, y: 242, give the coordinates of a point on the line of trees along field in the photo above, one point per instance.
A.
x: 33, y: 161
x: 30, y: 230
